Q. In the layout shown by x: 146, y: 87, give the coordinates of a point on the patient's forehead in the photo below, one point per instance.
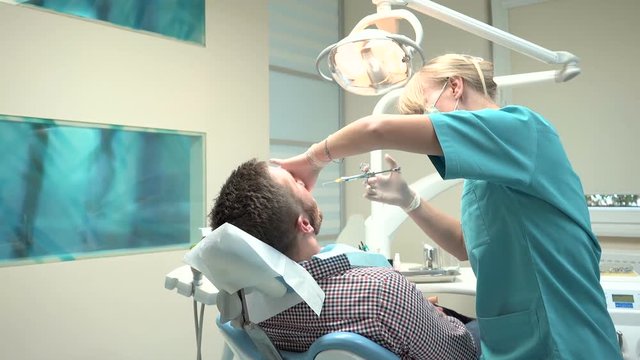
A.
x: 284, y: 178
x: 280, y: 175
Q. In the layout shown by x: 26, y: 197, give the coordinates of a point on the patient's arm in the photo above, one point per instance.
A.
x: 423, y: 332
x: 378, y: 303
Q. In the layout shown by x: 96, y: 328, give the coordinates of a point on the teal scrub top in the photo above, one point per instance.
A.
x: 528, y: 237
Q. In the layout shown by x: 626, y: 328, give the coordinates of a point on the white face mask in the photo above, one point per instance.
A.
x: 431, y: 109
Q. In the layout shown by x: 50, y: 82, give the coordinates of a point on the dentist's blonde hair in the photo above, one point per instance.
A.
x: 476, y: 73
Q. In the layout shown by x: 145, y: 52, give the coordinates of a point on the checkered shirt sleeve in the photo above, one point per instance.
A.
x: 378, y: 303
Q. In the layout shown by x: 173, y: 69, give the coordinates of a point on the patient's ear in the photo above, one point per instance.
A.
x: 306, y: 243
x: 304, y: 225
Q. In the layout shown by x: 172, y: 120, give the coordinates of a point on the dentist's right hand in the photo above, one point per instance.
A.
x: 390, y: 188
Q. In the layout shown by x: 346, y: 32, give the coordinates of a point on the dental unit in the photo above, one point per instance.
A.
x: 379, y: 62
x: 368, y: 62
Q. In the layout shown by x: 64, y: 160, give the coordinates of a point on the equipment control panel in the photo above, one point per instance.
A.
x: 620, y: 279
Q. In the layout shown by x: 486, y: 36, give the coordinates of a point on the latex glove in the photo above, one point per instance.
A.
x: 300, y: 168
x: 389, y: 188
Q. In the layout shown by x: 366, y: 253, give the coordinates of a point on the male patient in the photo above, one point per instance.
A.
x: 378, y: 303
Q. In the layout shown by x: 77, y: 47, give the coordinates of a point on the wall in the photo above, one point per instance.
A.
x: 595, y: 112
x: 60, y: 67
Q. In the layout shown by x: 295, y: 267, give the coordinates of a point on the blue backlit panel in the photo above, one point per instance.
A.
x: 70, y: 189
x: 179, y: 19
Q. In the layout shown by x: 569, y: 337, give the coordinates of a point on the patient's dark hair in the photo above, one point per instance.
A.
x: 251, y: 200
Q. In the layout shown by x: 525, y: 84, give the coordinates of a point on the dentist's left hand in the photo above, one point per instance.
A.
x: 305, y: 167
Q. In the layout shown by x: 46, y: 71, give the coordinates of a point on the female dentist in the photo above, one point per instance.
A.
x: 525, y: 224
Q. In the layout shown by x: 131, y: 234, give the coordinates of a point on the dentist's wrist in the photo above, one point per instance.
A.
x: 316, y: 157
x: 414, y: 204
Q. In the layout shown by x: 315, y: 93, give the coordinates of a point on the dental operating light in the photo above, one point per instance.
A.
x: 376, y: 61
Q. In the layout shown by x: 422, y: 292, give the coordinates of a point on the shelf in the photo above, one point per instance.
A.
x: 615, y: 221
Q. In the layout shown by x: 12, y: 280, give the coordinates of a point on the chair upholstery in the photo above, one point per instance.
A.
x: 337, y: 345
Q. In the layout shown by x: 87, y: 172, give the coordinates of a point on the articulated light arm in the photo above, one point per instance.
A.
x: 375, y: 61
x: 384, y: 219
x: 569, y: 61
x: 489, y: 32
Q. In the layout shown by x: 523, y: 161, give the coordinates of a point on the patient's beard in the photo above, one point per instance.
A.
x: 315, y: 216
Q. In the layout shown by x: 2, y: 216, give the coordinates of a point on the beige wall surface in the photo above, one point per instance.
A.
x: 60, y: 67
x: 595, y: 113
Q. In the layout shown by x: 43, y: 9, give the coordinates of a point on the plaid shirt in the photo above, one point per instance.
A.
x: 378, y: 303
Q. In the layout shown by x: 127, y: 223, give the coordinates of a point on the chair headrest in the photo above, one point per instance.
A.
x: 230, y: 308
x: 233, y: 259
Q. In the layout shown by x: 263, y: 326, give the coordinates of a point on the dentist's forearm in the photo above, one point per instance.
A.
x: 411, y: 133
x: 443, y: 229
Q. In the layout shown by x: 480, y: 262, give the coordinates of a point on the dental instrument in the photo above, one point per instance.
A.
x: 364, y: 175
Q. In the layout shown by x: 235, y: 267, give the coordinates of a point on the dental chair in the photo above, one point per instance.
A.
x: 255, y: 282
x: 247, y: 340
